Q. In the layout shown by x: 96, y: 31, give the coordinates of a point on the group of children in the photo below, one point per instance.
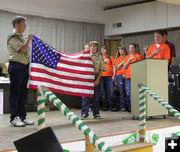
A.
x: 110, y: 71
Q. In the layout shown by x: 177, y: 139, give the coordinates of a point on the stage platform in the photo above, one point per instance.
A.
x: 112, y: 123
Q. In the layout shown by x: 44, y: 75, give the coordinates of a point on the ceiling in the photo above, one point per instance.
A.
x: 120, y: 3
x: 71, y: 9
x: 108, y: 4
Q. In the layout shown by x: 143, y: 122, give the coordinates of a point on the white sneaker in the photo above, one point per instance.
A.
x: 17, y: 122
x: 28, y: 122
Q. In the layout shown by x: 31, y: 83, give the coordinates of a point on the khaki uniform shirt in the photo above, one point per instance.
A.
x: 13, y: 45
x: 98, y: 63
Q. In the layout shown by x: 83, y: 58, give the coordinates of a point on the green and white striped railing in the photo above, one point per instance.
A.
x: 45, y: 94
x: 143, y: 91
x: 41, y: 110
x: 142, y: 114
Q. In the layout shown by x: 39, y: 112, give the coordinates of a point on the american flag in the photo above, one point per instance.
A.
x: 70, y: 74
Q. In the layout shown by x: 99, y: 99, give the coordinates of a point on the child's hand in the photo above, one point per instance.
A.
x: 96, y: 82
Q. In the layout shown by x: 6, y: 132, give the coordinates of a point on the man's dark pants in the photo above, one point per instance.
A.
x: 19, y: 75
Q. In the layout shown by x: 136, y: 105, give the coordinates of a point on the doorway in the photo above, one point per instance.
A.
x: 112, y: 46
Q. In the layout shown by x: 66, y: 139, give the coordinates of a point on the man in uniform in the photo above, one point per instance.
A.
x: 19, y: 72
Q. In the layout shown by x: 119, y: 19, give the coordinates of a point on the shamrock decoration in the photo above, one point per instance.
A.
x: 130, y: 139
x: 155, y: 138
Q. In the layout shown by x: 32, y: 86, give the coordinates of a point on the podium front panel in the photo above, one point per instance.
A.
x: 153, y: 73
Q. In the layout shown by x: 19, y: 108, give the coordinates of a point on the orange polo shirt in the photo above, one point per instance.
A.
x: 120, y: 71
x: 163, y: 54
x: 109, y: 66
x: 128, y: 69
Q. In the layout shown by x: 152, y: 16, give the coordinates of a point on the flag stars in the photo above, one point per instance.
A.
x: 44, y: 54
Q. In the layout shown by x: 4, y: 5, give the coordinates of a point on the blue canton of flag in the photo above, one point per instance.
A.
x: 44, y: 54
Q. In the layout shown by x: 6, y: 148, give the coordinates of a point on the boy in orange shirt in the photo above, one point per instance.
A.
x: 131, y: 58
x: 159, y: 50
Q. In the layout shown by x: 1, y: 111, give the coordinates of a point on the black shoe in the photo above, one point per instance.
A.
x: 129, y: 110
x: 105, y: 109
x: 97, y: 116
x: 84, y: 116
x: 114, y: 109
x: 123, y: 109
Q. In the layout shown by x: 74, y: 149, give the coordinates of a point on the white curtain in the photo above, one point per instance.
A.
x: 66, y: 36
x: 141, y: 39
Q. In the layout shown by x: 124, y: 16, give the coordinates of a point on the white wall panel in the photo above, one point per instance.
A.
x: 137, y: 18
x: 173, y: 15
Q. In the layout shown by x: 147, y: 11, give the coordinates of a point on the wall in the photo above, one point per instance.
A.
x: 142, y: 17
x: 135, y: 18
x: 173, y: 15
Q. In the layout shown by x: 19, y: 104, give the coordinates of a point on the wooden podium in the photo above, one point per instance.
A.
x: 153, y: 73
